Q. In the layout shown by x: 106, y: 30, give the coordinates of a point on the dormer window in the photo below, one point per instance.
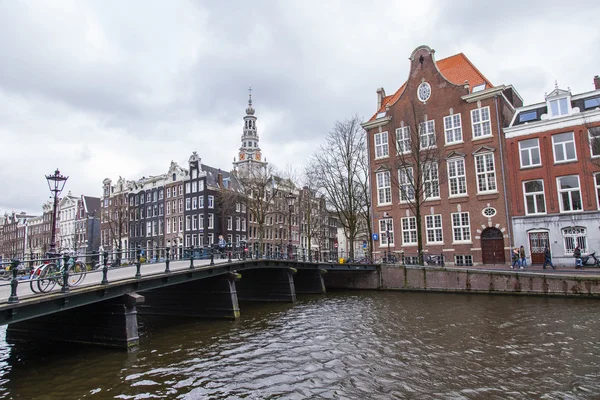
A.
x: 559, y: 107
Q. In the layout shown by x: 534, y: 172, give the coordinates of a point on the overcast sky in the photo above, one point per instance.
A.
x: 120, y: 88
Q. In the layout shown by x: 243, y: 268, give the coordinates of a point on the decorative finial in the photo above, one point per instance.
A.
x: 250, y: 96
x: 555, y: 84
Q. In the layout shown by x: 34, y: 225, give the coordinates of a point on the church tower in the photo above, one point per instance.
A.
x: 249, y: 155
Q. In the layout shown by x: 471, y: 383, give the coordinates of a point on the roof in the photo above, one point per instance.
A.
x: 457, y: 69
x: 91, y: 204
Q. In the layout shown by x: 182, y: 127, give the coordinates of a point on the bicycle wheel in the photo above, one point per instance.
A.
x: 33, y: 278
x: 77, y: 273
x: 48, y: 278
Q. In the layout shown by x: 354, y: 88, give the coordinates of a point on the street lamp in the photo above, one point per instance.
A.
x: 387, y: 234
x: 56, y: 183
x: 290, y: 200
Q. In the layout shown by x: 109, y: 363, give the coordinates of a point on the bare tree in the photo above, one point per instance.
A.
x: 336, y: 166
x: 260, y: 187
x: 415, y: 167
x: 116, y: 215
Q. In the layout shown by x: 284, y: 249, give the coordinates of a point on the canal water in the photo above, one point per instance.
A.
x: 344, y: 345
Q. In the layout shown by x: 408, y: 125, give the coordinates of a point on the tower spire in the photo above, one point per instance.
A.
x: 250, y: 96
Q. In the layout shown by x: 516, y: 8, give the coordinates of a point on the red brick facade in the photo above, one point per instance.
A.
x: 447, y: 98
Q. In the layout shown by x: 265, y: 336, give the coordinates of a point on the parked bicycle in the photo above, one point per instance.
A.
x: 45, y: 277
x: 590, y: 260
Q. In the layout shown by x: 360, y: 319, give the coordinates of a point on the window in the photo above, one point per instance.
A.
x: 194, y: 187
x: 194, y: 222
x: 406, y: 184
x: 461, y: 228
x: 431, y: 181
x: 200, y: 201
x: 211, y: 201
x: 168, y: 225
x: 386, y: 231
x: 180, y: 205
x: 530, y: 153
x: 427, y: 134
x: 528, y: 116
x: 591, y: 103
x: 243, y: 224
x: 180, y: 190
x: 180, y: 222
x: 569, y: 196
x: 433, y: 226
x: 201, y: 221
x: 229, y: 223
x: 573, y: 237
x: 160, y: 194
x: 384, y: 189
x: 187, y: 188
x: 188, y: 220
x: 148, y: 197
x: 188, y: 202
x: 403, y: 139
x: 168, y: 207
x: 211, y: 220
x: 237, y: 207
x: 409, y: 230
x: 174, y: 222
x: 200, y: 186
x: 564, y: 147
x: 161, y: 208
x: 463, y: 261
x: 534, y: 197
x: 486, y: 174
x: 597, y: 184
x: 453, y: 129
x: 381, y: 145
x: 237, y: 223
x: 594, y: 135
x: 559, y: 107
x: 148, y: 228
x: 456, y: 175
x: 194, y: 203
x: 482, y: 126
x: 194, y: 173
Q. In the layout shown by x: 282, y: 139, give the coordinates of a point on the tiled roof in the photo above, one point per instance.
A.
x: 457, y: 69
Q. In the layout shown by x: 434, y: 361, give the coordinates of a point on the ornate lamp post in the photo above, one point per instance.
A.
x: 290, y: 200
x: 56, y: 183
x: 387, y: 234
x: 280, y: 255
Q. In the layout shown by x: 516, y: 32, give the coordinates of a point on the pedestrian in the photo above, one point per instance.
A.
x: 577, y: 255
x: 523, y: 257
x: 516, y: 260
x: 548, y: 258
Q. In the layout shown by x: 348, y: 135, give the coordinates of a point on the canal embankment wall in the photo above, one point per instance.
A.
x: 462, y: 280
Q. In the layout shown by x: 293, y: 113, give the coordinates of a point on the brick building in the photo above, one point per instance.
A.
x: 174, y: 208
x: 436, y: 143
x: 554, y: 153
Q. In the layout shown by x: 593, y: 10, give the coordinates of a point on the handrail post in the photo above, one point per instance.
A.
x: 105, y: 268
x: 192, y: 257
x: 229, y: 259
x: 212, y: 256
x: 168, y: 260
x: 13, y: 298
x: 65, y: 274
x: 138, y: 264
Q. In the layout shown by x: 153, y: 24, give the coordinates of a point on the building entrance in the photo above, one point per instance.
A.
x: 492, y: 246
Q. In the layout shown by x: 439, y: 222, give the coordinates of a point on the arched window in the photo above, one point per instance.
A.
x: 575, y: 236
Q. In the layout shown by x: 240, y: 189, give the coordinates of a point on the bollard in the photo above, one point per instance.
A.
x: 138, y: 264
x: 192, y: 257
x: 65, y: 274
x: 442, y: 260
x: 14, y: 269
x: 105, y: 268
x: 168, y: 260
x: 229, y: 259
x: 212, y: 256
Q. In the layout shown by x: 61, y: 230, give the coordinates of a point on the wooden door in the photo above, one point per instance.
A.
x: 537, y: 243
x: 492, y: 246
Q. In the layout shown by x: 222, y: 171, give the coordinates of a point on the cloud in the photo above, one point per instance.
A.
x: 106, y: 89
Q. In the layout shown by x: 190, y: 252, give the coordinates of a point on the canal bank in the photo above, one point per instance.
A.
x: 462, y: 280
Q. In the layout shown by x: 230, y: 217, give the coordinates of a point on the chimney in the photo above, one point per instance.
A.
x: 380, y: 96
x: 597, y: 82
x: 220, y: 179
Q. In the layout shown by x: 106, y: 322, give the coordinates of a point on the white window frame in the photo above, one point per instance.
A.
x: 211, y: 221
x: 383, y: 239
x: 477, y: 121
x: 530, y: 151
x: 409, y: 231
x: 406, y: 188
x: 433, y: 226
x: 487, y: 174
x: 563, y: 145
x: 229, y: 223
x: 459, y: 177
x: 453, y: 128
x: 464, y: 231
x: 560, y: 110
x: 384, y: 188
x: 427, y: 134
x: 593, y: 138
x: 572, y: 236
x: 382, y: 148
x: 597, y: 187
x: 403, y: 140
x: 535, y: 195
x: 431, y: 181
x: 560, y: 191
x: 211, y: 201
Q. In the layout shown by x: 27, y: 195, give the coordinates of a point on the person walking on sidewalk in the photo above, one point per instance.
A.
x: 548, y: 258
x: 516, y: 259
x: 523, y: 257
x: 577, y: 255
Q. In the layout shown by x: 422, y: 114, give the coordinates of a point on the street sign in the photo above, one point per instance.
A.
x: 364, y: 244
x: 335, y: 245
x: 376, y: 236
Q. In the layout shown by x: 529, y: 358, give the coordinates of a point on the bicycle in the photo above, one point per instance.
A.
x: 52, y: 274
